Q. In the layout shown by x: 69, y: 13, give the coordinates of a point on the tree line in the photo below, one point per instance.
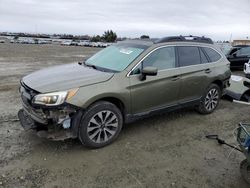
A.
x: 107, y: 36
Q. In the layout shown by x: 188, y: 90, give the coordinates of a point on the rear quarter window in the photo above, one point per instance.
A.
x: 212, y: 54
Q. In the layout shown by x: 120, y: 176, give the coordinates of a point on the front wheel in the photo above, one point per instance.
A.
x: 100, y: 124
x: 210, y: 100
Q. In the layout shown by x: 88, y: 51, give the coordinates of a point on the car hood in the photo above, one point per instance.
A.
x: 64, y: 77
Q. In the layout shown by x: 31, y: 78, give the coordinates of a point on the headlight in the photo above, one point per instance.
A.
x: 55, y: 98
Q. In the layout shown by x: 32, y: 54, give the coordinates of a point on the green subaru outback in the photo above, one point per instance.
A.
x: 92, y: 100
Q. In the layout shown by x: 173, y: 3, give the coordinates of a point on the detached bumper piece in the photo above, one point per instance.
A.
x: 25, y: 120
x: 56, y: 135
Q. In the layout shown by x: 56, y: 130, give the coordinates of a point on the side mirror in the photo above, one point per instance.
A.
x: 148, y: 71
x: 234, y: 55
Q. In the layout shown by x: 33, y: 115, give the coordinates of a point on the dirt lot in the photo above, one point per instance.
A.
x: 168, y: 150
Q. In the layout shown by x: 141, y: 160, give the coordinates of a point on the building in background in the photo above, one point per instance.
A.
x: 241, y: 42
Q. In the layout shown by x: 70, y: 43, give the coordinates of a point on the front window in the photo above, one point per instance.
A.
x: 162, y: 59
x: 117, y: 57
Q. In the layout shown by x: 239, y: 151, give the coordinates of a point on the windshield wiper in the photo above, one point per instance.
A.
x: 89, y: 65
x: 96, y: 67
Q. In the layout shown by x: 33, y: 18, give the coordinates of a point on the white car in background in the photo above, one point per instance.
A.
x: 247, y: 69
x: 66, y: 43
x: 81, y: 44
x: 93, y: 44
x: 84, y: 43
x: 26, y: 41
x: 104, y: 45
x: 44, y: 41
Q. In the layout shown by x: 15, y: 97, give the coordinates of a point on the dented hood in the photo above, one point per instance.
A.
x: 64, y: 77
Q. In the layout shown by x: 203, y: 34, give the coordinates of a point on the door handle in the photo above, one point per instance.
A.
x: 174, y: 78
x: 207, y: 70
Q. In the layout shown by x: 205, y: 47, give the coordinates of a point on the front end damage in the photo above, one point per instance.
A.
x: 54, y: 122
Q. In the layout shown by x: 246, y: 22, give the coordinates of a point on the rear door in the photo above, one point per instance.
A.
x: 158, y: 91
x: 193, y: 73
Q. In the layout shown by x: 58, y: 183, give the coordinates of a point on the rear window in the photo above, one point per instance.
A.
x: 212, y: 54
x: 188, y: 55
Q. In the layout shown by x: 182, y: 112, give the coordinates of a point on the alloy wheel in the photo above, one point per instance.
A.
x: 211, y: 99
x: 102, y: 126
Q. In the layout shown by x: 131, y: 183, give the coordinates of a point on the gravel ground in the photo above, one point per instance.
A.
x: 167, y: 150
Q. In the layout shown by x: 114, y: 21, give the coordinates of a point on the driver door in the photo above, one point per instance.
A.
x: 156, y: 92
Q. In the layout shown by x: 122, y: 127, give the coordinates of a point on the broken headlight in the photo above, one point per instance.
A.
x: 55, y: 98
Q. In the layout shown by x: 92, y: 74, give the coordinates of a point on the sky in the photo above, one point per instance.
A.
x: 218, y: 19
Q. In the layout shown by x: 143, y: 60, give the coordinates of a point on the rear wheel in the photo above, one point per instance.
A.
x: 210, y: 100
x: 100, y: 125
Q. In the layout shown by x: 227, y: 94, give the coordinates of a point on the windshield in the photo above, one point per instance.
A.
x: 116, y: 57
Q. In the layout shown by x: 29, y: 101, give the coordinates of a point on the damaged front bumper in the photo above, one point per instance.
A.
x: 56, y: 123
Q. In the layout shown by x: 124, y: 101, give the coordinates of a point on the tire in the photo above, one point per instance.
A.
x: 210, y: 100
x: 245, y: 170
x: 100, y: 124
x: 245, y: 97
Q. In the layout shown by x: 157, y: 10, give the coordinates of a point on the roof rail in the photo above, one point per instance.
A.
x: 189, y: 38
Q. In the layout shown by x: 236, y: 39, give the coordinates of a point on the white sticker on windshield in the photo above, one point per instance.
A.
x: 126, y: 51
x: 236, y: 78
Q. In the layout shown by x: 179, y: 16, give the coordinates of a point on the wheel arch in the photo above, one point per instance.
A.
x: 78, y: 116
x: 116, y: 100
x: 218, y: 83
